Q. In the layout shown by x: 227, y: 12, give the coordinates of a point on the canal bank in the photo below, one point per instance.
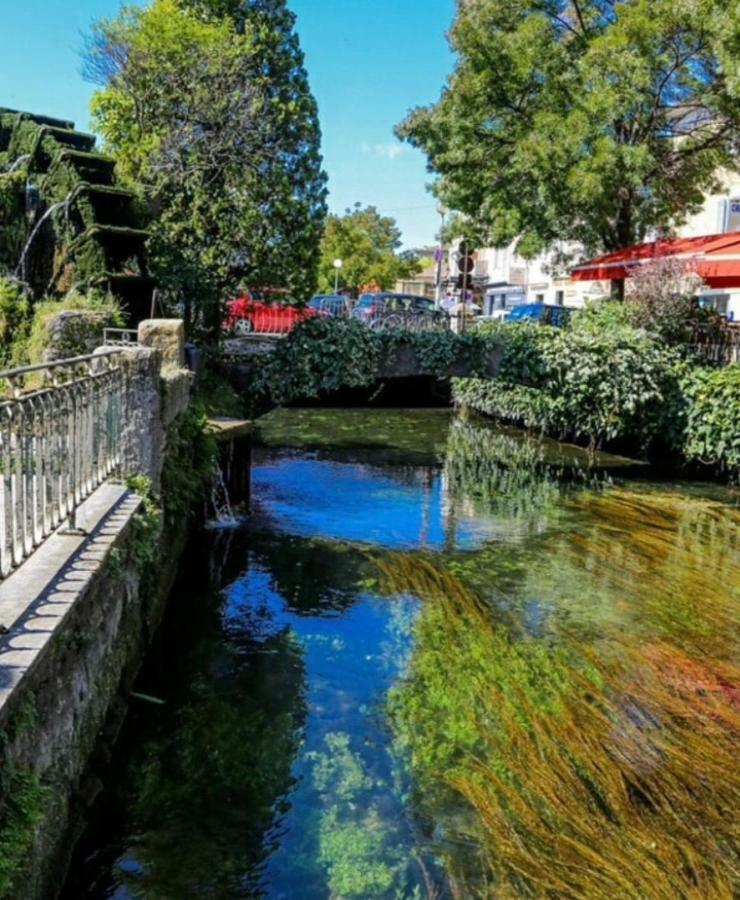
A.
x: 354, y: 684
x: 78, y: 614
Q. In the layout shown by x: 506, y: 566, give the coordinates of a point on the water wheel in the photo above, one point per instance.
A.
x: 64, y: 222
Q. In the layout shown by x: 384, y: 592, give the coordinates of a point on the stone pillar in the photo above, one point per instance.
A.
x: 168, y: 337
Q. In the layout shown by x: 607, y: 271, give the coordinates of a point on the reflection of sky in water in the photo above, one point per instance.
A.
x: 399, y: 508
x: 350, y: 661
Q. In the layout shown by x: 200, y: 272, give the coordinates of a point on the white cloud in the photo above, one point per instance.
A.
x: 385, y: 151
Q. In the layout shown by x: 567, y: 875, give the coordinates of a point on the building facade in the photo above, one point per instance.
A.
x: 503, y: 279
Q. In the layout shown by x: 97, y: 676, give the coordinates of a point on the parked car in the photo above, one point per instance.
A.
x: 544, y: 313
x: 334, y: 305
x: 268, y: 311
x: 405, y: 310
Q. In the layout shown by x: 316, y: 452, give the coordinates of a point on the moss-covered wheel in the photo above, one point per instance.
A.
x: 64, y: 223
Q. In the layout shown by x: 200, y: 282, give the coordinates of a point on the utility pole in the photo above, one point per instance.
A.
x: 465, y: 264
x: 442, y: 210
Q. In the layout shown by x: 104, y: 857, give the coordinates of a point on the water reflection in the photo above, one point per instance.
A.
x: 440, y: 659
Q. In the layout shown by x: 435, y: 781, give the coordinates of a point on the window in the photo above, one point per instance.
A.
x: 539, y: 298
x: 717, y: 302
x: 560, y: 298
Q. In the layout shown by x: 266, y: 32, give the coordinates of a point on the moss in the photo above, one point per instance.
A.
x: 76, y: 339
x: 64, y: 255
x: 23, y: 797
x: 13, y: 227
x: 15, y: 319
x: 218, y: 397
x: 192, y: 460
x: 147, y: 524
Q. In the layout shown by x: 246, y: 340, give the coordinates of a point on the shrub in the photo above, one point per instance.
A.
x: 601, y: 379
x: 321, y: 354
x: 14, y: 319
x: 76, y: 337
x: 610, y: 385
x: 520, y: 404
x: 713, y: 417
x: 662, y: 299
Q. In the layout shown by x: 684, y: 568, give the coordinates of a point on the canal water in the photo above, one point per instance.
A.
x: 438, y: 658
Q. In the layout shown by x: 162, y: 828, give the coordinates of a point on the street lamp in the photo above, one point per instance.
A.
x: 337, y: 266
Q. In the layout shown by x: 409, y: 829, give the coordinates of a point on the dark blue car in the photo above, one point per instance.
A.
x: 544, y: 313
x: 334, y: 305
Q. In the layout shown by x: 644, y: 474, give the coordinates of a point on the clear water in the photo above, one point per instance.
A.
x: 439, y: 658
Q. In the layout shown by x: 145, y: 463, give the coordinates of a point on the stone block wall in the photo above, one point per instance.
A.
x: 76, y: 619
x: 157, y: 391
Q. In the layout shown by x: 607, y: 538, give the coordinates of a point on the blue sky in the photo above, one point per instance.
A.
x: 369, y: 62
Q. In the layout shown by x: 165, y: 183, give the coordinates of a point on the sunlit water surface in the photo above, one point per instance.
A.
x: 438, y: 658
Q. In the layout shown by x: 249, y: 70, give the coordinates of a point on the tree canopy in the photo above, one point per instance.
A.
x: 592, y: 121
x: 368, y: 245
x: 209, y: 113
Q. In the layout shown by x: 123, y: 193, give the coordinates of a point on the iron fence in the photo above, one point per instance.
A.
x: 60, y: 438
x: 719, y: 346
x: 120, y: 337
x: 276, y: 321
x: 410, y: 321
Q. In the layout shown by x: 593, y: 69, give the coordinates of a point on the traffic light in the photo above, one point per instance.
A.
x: 465, y: 265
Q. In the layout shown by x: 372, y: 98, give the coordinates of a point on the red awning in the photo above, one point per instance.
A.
x: 716, y: 258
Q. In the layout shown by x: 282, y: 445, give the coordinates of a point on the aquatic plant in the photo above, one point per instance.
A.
x: 357, y: 844
x: 588, y: 769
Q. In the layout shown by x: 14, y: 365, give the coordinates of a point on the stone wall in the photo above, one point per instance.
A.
x: 79, y: 645
x: 75, y: 621
x: 74, y: 332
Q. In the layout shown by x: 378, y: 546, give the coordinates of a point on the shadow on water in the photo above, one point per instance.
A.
x: 439, y: 659
x: 199, y: 780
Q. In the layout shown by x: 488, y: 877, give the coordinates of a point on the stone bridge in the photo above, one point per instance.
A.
x: 244, y: 354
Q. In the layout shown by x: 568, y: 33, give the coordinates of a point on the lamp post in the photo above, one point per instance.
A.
x: 337, y: 266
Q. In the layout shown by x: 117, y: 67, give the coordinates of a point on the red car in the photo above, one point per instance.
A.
x: 264, y: 312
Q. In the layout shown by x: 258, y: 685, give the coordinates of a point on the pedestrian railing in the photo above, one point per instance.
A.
x: 277, y: 322
x: 409, y: 321
x: 120, y: 337
x: 60, y: 438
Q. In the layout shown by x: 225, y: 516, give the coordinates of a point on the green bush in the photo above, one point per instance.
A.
x: 15, y: 319
x: 519, y: 404
x: 76, y: 340
x: 599, y: 380
x: 322, y: 355
x: 712, y: 433
x: 610, y: 385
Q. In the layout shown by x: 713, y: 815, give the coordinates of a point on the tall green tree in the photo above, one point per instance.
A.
x: 368, y: 245
x: 212, y: 120
x: 592, y: 121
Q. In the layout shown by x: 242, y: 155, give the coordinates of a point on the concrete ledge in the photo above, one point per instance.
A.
x: 36, y: 599
x: 227, y: 429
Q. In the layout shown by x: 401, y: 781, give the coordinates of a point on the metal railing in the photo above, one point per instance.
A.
x: 409, y: 321
x: 720, y: 346
x: 276, y: 321
x: 60, y: 438
x: 120, y: 337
